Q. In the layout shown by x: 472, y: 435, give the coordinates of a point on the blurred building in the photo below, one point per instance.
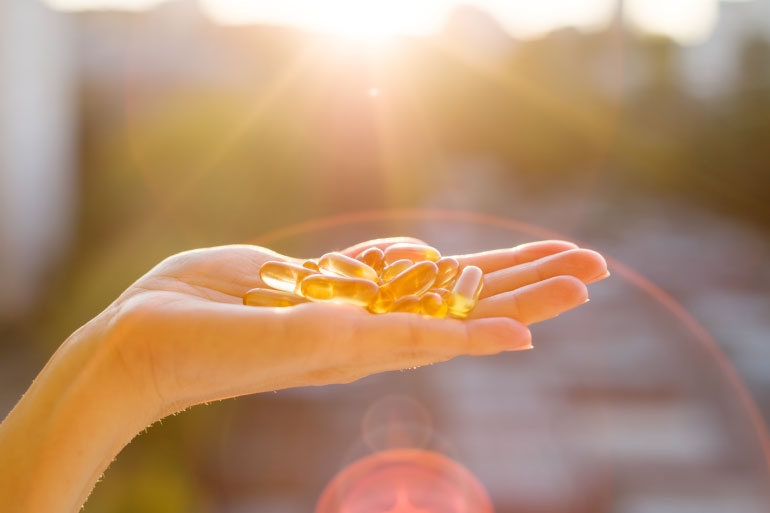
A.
x: 37, y: 148
x: 710, y: 67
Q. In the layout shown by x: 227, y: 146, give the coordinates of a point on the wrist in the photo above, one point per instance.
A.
x: 80, y: 411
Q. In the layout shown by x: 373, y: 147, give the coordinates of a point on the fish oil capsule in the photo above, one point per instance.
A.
x: 311, y: 264
x: 268, y: 297
x: 409, y: 304
x: 413, y: 252
x: 465, y: 293
x: 283, y: 275
x: 433, y: 304
x: 395, y: 269
x: 343, y: 265
x: 374, y: 258
x: 447, y: 271
x: 444, y: 293
x: 416, y: 280
x: 382, y: 302
x: 324, y: 287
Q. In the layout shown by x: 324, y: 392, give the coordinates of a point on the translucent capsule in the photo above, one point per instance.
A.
x: 444, y: 293
x: 413, y: 252
x: 374, y: 258
x: 311, y: 264
x: 433, y: 304
x: 268, y: 297
x: 465, y: 293
x: 416, y: 280
x: 345, y: 266
x: 407, y: 304
x: 323, y: 287
x: 283, y: 275
x: 447, y: 271
x: 395, y: 269
x: 382, y: 302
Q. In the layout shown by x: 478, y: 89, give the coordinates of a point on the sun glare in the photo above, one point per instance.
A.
x: 366, y: 21
x: 377, y: 21
x: 687, y: 21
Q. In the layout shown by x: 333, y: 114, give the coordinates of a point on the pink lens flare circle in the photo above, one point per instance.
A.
x: 404, y: 481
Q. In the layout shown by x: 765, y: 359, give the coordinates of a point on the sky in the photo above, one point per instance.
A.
x: 688, y: 21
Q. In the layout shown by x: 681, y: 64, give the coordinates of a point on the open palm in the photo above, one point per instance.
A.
x: 184, y: 335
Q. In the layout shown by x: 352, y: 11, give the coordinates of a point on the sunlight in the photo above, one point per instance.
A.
x: 687, y: 21
x: 377, y: 21
x: 372, y: 21
x: 527, y: 18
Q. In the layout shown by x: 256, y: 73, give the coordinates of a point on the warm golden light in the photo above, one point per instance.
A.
x: 369, y: 22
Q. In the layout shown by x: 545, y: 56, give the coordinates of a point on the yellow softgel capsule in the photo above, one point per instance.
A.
x: 343, y: 265
x: 268, y: 297
x: 283, y: 275
x: 413, y: 252
x: 374, y: 258
x: 444, y: 293
x: 415, y: 280
x: 447, y: 271
x: 395, y: 269
x: 311, y: 264
x: 433, y: 304
x: 382, y: 302
x: 324, y: 287
x: 409, y: 304
x: 465, y: 293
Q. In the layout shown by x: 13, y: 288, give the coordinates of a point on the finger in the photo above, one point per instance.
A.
x: 490, y: 261
x: 227, y: 350
x: 534, y: 303
x: 379, y: 243
x: 404, y: 340
x: 586, y: 265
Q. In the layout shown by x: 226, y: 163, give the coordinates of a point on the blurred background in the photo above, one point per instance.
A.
x: 133, y: 129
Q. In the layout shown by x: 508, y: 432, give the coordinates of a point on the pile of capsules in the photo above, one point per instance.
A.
x: 403, y: 278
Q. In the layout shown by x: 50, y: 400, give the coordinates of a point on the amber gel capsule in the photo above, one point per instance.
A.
x: 283, y: 275
x: 267, y: 297
x: 395, y: 269
x: 416, y: 280
x: 447, y: 271
x: 311, y: 264
x: 382, y: 302
x: 413, y: 252
x: 343, y: 265
x: 465, y: 293
x: 409, y: 304
x: 433, y: 304
x: 324, y: 287
x: 374, y: 258
x: 442, y: 292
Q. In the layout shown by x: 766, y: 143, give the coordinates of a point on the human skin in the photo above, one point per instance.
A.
x: 180, y: 336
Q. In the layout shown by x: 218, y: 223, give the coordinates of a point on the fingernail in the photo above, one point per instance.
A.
x: 602, y: 276
x: 587, y: 300
x: 520, y: 345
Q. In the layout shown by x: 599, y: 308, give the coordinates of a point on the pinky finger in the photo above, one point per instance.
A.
x: 534, y: 303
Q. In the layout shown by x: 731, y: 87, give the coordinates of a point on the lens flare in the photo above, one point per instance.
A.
x: 404, y: 481
x: 396, y: 220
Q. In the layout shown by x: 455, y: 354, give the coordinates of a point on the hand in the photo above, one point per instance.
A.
x: 184, y: 336
x: 180, y: 336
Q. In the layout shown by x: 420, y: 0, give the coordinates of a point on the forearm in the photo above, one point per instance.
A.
x: 61, y: 436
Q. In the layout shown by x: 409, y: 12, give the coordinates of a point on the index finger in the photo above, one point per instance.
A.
x: 490, y: 261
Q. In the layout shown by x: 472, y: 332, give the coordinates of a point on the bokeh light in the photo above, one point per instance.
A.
x: 404, y: 481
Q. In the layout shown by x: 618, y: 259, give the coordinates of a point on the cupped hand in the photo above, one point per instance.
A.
x: 183, y: 336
